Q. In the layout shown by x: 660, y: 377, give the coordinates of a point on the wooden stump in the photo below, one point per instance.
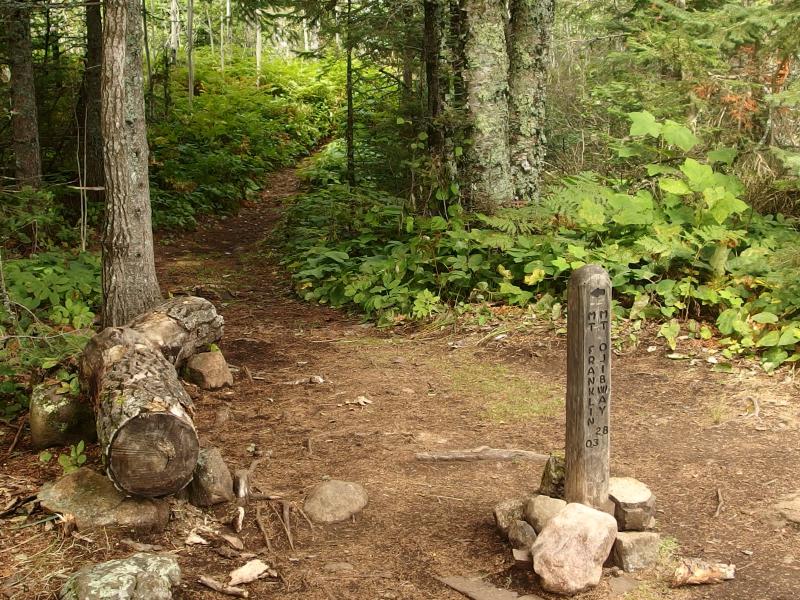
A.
x: 147, y: 437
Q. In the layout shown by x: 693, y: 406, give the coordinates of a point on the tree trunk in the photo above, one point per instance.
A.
x: 190, y: 48
x: 486, y: 75
x: 210, y: 30
x: 174, y: 32
x: 93, y: 137
x: 431, y: 43
x: 259, y: 49
x: 24, y: 124
x: 148, y: 62
x: 531, y: 21
x: 147, y: 438
x: 130, y: 286
x: 349, y: 129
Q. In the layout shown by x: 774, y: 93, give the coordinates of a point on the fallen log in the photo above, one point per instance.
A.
x: 481, y: 453
x: 145, y: 432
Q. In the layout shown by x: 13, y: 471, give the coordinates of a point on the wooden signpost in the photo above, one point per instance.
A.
x: 588, y: 388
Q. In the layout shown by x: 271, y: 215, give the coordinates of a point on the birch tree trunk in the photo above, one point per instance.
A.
x: 130, y: 286
x: 486, y: 78
x: 531, y: 21
x: 174, y: 32
x: 24, y: 123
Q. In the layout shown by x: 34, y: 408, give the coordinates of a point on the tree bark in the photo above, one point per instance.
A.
x: 431, y: 43
x: 130, y: 286
x: 190, y: 48
x: 259, y: 49
x: 531, y: 21
x: 486, y: 78
x: 350, y: 125
x: 129, y: 373
x: 93, y: 137
x: 24, y: 123
x: 174, y: 31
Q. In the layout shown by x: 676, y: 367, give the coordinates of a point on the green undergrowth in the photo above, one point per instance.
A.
x: 209, y: 158
x: 680, y: 244
x: 46, y: 317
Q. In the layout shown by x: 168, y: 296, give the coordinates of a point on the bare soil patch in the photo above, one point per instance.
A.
x: 680, y: 428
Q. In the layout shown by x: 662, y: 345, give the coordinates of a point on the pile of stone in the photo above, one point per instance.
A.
x: 569, y: 543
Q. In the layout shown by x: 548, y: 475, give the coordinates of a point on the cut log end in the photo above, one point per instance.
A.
x: 153, y: 454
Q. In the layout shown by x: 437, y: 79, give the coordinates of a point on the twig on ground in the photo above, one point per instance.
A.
x: 22, y: 420
x: 720, y: 503
x: 287, y: 516
x: 285, y: 527
x: 263, y: 527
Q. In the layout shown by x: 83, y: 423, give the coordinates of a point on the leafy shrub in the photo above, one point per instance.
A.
x: 680, y: 242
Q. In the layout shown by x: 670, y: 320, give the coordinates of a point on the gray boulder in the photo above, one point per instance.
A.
x: 634, y: 503
x: 636, y: 550
x: 540, y: 509
x: 209, y: 370
x: 212, y: 482
x: 506, y: 512
x: 59, y: 419
x: 570, y: 551
x: 521, y: 535
x: 142, y: 576
x: 334, y: 501
x: 94, y: 502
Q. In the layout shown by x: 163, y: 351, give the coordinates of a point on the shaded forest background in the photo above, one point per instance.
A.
x: 461, y: 155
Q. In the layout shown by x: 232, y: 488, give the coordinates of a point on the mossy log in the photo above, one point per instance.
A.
x: 146, y: 434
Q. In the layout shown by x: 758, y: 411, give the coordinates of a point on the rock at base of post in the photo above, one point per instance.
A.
x: 506, y: 512
x: 553, y: 478
x: 634, y: 504
x: 570, y: 551
x: 539, y: 510
x: 636, y: 550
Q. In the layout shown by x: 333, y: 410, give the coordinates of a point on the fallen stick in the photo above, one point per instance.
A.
x: 720, y: 503
x: 222, y: 588
x: 481, y: 453
x: 263, y: 529
x: 287, y: 519
x: 23, y: 419
x: 285, y: 527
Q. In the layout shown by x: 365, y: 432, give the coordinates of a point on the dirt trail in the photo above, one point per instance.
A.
x: 676, y: 427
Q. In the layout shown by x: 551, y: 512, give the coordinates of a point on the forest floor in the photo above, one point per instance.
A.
x: 686, y: 431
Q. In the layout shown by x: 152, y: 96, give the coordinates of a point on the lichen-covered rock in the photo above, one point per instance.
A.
x: 635, y: 550
x: 142, y: 576
x: 212, y: 482
x: 58, y: 419
x: 506, y: 512
x: 553, y: 478
x: 209, y: 370
x: 333, y: 501
x: 634, y: 503
x: 540, y: 509
x: 570, y: 551
x: 94, y: 502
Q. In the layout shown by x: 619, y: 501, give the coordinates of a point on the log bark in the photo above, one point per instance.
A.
x: 147, y: 437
